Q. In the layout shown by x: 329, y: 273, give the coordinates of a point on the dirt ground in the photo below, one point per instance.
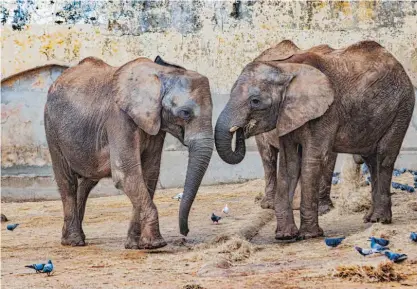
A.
x: 240, y: 252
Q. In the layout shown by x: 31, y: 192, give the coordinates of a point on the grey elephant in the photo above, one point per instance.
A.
x: 268, y: 142
x: 103, y: 121
x: 356, y: 100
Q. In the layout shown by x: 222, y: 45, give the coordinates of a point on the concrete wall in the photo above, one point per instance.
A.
x: 215, y: 38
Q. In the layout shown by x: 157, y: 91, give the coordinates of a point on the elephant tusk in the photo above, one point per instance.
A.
x: 234, y: 128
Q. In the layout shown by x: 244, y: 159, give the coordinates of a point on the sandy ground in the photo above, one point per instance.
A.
x: 213, y: 256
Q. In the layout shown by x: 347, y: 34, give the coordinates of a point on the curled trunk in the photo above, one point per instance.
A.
x: 223, y: 138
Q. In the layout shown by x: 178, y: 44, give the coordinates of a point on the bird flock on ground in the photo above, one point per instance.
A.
x: 396, y: 173
x: 377, y: 246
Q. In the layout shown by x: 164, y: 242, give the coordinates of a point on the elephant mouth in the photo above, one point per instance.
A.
x: 247, y: 129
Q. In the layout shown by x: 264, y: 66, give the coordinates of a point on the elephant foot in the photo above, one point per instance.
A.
x: 151, y: 242
x: 72, y: 239
x: 287, y: 234
x: 132, y: 243
x: 308, y: 233
x: 325, y: 208
x: 380, y: 216
x: 267, y: 203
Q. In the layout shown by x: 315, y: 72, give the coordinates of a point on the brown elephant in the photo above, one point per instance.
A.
x: 268, y: 144
x: 356, y: 100
x: 103, y: 121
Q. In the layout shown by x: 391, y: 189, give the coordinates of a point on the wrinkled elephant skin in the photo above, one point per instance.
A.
x: 356, y: 100
x: 103, y: 121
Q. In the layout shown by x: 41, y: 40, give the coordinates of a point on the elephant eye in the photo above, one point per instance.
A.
x: 255, y: 102
x: 185, y: 114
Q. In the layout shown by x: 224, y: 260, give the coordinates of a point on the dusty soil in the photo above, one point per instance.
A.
x: 232, y: 254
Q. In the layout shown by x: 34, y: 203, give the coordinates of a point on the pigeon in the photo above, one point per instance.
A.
x: 178, y: 197
x: 415, y: 178
x: 368, y: 180
x: 396, y: 173
x: 410, y: 189
x: 11, y: 227
x: 396, y: 185
x: 364, y: 169
x: 37, y: 267
x: 381, y: 241
x: 399, y: 172
x: 407, y: 188
x: 364, y: 252
x: 402, y: 187
x: 395, y: 257
x: 413, y: 236
x: 334, y: 242
x: 415, y: 185
x: 335, y: 180
x: 226, y: 209
x: 48, y: 268
x: 414, y: 173
x: 377, y: 248
x: 215, y: 218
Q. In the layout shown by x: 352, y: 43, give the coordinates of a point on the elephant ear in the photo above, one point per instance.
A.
x: 308, y: 96
x: 138, y: 93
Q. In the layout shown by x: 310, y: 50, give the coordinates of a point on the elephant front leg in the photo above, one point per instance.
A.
x: 269, y: 160
x: 287, y: 179
x: 312, y: 168
x: 144, y: 230
x: 126, y: 167
x: 151, y: 162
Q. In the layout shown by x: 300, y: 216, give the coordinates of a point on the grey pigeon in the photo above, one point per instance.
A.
x: 215, y: 218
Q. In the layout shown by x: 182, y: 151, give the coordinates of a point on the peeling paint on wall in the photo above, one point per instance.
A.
x: 215, y: 38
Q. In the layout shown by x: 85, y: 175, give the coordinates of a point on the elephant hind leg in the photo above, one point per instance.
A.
x: 381, y: 176
x: 325, y: 202
x: 381, y: 165
x: 67, y: 183
x: 269, y: 161
x: 84, y: 188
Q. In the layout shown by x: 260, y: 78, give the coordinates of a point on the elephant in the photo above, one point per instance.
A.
x: 103, y: 121
x: 268, y: 142
x: 356, y: 100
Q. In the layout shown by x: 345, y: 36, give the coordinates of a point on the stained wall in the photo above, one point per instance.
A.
x: 215, y: 38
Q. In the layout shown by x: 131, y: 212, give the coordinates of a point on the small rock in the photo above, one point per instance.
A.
x: 192, y: 286
x: 4, y: 218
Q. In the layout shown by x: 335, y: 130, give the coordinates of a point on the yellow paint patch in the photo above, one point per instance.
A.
x: 344, y: 7
x: 366, y: 10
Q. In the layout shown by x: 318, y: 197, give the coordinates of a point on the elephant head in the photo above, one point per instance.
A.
x: 160, y: 96
x: 267, y: 96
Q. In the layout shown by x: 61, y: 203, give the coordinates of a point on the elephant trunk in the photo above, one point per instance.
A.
x: 223, y: 138
x: 199, y: 154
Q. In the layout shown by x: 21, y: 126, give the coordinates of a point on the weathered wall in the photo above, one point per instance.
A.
x: 215, y: 38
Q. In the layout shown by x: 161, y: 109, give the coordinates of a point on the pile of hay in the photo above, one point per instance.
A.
x: 232, y: 248
x: 353, y: 196
x: 383, y: 273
